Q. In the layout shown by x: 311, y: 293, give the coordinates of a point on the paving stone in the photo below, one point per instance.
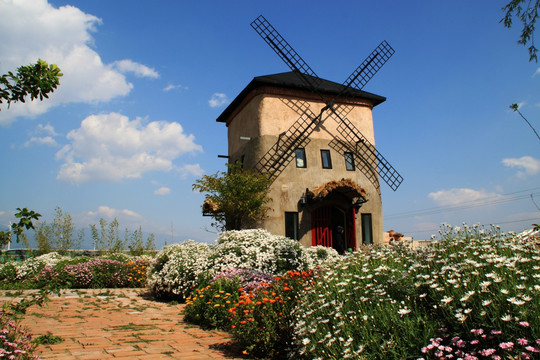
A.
x: 119, y: 323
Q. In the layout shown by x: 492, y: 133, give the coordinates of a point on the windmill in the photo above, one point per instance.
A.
x: 348, y: 137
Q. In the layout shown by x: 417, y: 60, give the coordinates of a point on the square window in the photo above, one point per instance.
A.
x: 326, y: 160
x: 349, y: 161
x: 300, y: 158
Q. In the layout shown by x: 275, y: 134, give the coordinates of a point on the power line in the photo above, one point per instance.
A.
x: 492, y: 200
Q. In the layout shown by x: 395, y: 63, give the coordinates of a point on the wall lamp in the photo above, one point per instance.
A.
x: 359, y: 202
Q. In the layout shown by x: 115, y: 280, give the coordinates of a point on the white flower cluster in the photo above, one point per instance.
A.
x: 257, y: 249
x: 32, y: 266
x: 472, y: 277
x: 178, y: 266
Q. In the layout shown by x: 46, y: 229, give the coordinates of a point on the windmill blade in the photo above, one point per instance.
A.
x: 360, y: 163
x: 365, y: 149
x: 363, y: 73
x: 276, y: 159
x: 285, y: 52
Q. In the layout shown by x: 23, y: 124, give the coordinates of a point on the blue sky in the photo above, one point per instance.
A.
x: 132, y: 125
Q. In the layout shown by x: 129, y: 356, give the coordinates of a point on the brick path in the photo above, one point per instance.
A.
x: 120, y: 323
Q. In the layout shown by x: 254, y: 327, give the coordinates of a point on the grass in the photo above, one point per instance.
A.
x: 48, y: 339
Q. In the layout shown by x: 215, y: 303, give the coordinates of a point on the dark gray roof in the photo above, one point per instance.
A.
x: 291, y: 80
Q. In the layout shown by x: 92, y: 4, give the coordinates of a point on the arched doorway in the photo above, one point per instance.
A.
x: 324, y: 222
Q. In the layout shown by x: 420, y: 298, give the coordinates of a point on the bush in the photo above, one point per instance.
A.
x: 258, y: 250
x: 262, y: 321
x: 56, y: 271
x: 15, y: 342
x: 209, y: 305
x: 177, y: 267
x: 393, y: 302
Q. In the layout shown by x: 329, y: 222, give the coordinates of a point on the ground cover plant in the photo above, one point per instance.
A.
x: 474, y: 294
x: 56, y: 271
x: 181, y: 268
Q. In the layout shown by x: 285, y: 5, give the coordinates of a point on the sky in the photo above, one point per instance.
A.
x: 133, y: 124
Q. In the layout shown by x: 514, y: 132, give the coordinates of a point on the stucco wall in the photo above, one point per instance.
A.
x: 262, y: 119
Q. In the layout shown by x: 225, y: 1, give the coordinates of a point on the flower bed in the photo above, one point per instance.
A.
x: 55, y: 271
x: 472, y: 295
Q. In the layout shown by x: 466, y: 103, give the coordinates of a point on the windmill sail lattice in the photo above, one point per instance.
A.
x: 280, y: 154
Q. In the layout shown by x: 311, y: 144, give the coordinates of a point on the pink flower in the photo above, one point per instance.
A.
x: 474, y: 342
x: 477, y: 331
x: 532, y: 349
x: 461, y: 343
x: 487, y: 352
x: 506, y: 345
x: 524, y: 323
x: 496, y: 357
x: 525, y: 356
x: 424, y: 350
x: 522, y: 342
x: 496, y: 332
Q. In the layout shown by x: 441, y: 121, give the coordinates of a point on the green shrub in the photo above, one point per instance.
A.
x: 209, y: 306
x: 396, y: 303
x: 176, y: 270
x: 262, y: 320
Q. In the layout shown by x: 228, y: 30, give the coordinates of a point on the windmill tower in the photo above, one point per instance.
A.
x: 314, y: 139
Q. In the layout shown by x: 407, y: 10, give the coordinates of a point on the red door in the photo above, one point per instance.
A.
x: 321, y: 226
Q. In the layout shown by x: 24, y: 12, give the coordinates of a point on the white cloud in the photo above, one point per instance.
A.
x: 43, y: 140
x: 110, y: 213
x: 190, y: 170
x: 110, y: 147
x: 35, y: 29
x: 163, y: 191
x: 456, y: 196
x: 47, y: 139
x: 528, y: 164
x: 140, y: 70
x: 47, y: 129
x: 173, y: 87
x: 218, y: 99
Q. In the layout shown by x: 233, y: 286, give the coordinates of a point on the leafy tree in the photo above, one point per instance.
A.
x: 136, y: 246
x: 107, y: 237
x: 150, y: 244
x: 236, y: 199
x: 36, y: 80
x: 59, y: 235
x: 527, y: 13
x: 25, y: 217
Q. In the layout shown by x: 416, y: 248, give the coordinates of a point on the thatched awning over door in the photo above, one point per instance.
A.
x: 346, y: 187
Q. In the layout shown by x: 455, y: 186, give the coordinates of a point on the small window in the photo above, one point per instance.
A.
x: 291, y: 225
x: 326, y: 160
x: 301, y: 158
x: 349, y: 161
